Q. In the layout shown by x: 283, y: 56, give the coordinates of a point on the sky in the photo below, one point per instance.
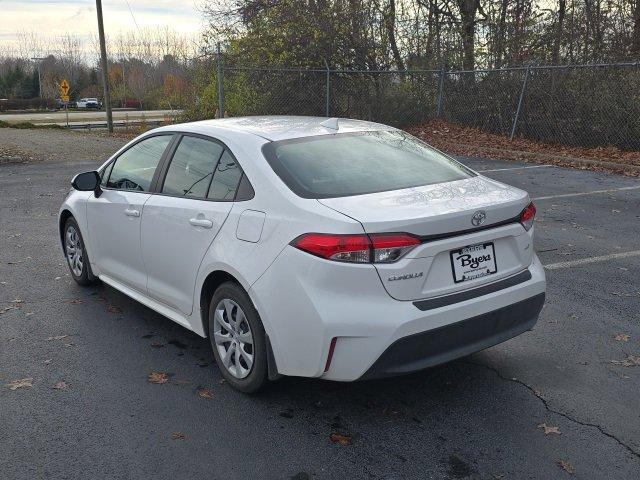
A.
x: 54, y: 18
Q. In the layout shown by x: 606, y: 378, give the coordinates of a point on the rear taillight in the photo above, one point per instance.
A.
x: 374, y: 248
x: 527, y: 216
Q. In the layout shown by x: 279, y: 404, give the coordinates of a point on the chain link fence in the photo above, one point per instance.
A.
x: 575, y: 105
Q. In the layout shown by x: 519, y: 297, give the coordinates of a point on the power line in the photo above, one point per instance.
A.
x: 132, y: 15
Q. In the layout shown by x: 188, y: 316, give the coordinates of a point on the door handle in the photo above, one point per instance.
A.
x: 201, y: 222
x: 130, y: 212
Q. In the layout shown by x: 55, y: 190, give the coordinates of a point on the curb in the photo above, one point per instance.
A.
x: 559, y: 159
x: 6, y: 160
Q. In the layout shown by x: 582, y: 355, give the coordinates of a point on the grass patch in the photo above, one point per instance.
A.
x: 29, y: 125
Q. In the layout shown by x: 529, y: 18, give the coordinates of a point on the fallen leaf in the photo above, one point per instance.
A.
x: 22, y: 383
x: 61, y: 386
x: 57, y: 337
x: 76, y: 302
x: 157, y: 344
x: 158, y: 377
x: 566, y: 466
x: 18, y: 301
x: 548, y: 429
x: 178, y: 436
x: 113, y: 309
x: 206, y: 394
x: 622, y: 337
x: 6, y: 309
x: 336, y: 437
x: 630, y: 361
x: 47, y: 362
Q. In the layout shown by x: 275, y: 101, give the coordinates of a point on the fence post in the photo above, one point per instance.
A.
x: 440, y: 93
x: 220, y: 83
x: 328, y: 93
x: 524, y: 88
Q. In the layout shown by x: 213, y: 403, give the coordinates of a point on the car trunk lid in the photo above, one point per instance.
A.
x: 441, y: 215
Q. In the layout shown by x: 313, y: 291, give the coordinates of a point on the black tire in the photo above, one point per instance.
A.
x: 257, y: 377
x: 83, y: 276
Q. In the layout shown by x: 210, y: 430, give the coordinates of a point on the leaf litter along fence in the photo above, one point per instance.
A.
x: 575, y: 105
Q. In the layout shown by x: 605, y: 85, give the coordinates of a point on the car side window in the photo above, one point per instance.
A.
x: 191, y: 167
x: 105, y: 174
x: 134, y: 168
x: 225, y: 179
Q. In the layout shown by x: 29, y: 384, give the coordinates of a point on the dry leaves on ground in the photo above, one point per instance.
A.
x: 340, y: 438
x: 566, y: 466
x: 204, y: 393
x: 77, y: 301
x: 178, y: 436
x: 630, y: 361
x: 7, y: 309
x: 113, y: 309
x: 621, y: 337
x: 158, y: 378
x: 548, y: 429
x: 22, y: 383
x: 61, y: 385
x: 157, y: 344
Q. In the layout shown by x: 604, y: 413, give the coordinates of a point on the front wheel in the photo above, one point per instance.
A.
x: 237, y: 338
x: 76, y: 254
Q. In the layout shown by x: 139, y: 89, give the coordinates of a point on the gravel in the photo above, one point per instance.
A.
x: 42, y: 145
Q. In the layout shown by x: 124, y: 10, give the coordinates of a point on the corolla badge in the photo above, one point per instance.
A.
x: 405, y: 277
x: 478, y: 218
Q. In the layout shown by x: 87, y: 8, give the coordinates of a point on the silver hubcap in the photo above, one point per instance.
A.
x: 74, y: 251
x: 233, y: 338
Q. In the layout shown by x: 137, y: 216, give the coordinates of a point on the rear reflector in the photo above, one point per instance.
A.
x: 527, y: 216
x: 374, y: 248
x: 332, y: 347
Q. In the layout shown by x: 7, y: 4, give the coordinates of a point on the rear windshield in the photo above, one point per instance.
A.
x: 348, y: 164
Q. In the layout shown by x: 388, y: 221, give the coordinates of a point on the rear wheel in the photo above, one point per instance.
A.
x: 76, y: 254
x: 237, y: 338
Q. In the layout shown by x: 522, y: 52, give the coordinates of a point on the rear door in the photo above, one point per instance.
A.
x: 195, y: 195
x: 114, y: 217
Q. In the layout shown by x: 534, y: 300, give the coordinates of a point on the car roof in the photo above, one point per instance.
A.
x: 282, y: 127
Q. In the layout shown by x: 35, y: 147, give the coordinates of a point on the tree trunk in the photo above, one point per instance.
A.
x: 468, y: 10
x: 562, y: 8
x: 501, y: 32
x: 390, y: 25
x: 635, y: 46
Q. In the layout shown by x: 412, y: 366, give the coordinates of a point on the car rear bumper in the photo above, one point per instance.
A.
x: 433, y: 347
x: 306, y: 302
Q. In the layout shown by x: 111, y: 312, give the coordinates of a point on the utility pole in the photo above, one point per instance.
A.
x: 103, y: 61
x: 38, y: 59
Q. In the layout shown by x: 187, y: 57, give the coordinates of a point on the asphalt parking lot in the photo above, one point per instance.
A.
x: 561, y: 401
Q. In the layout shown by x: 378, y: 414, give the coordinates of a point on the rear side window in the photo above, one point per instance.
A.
x: 358, y: 163
x: 225, y: 179
x: 191, y: 168
x: 134, y: 169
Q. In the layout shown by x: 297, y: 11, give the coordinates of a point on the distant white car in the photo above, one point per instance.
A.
x: 88, y: 103
x: 337, y: 249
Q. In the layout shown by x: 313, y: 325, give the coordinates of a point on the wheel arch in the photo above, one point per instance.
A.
x: 211, y: 282
x: 65, y: 215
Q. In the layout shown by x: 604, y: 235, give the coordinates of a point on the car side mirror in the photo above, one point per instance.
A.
x: 87, y: 182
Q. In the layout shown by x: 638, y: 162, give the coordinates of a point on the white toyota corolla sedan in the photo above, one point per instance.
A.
x: 311, y: 247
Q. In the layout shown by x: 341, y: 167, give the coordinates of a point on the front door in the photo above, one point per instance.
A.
x: 115, y: 216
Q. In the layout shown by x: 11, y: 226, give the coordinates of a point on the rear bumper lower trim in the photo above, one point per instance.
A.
x: 443, y: 301
x: 441, y: 345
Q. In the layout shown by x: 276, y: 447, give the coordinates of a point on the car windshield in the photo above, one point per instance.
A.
x: 348, y: 164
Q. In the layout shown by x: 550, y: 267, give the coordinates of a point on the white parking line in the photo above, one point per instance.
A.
x: 515, y: 168
x: 586, y: 261
x: 593, y: 192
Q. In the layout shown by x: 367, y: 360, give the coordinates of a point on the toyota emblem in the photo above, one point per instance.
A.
x: 478, y: 218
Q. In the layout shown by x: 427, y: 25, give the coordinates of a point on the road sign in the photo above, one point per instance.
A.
x: 64, y: 98
x: 64, y: 88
